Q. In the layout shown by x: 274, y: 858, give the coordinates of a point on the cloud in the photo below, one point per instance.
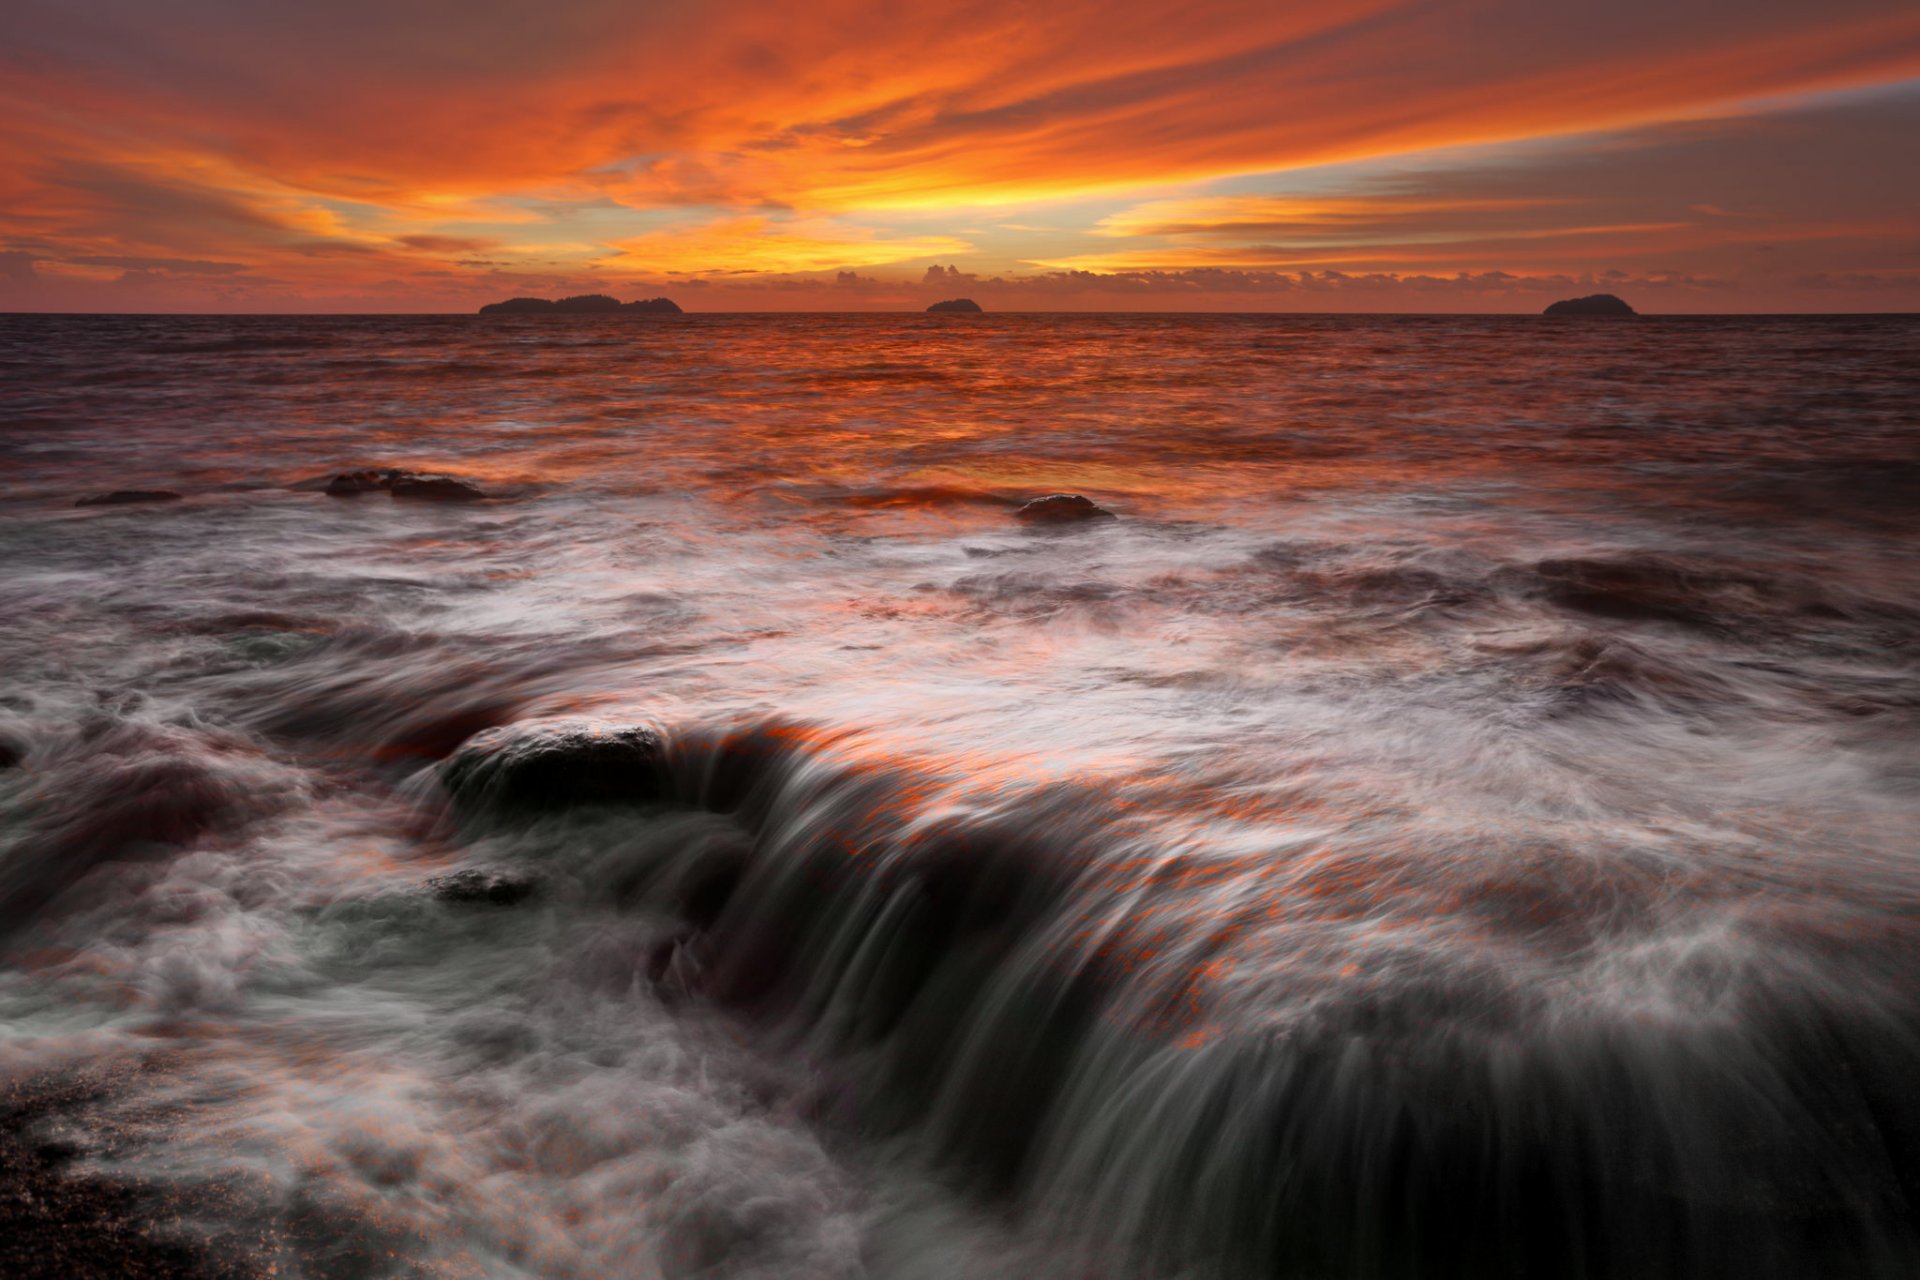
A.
x: 176, y: 266
x: 855, y: 103
x: 331, y: 147
x: 445, y: 244
x: 1810, y: 185
x: 16, y: 267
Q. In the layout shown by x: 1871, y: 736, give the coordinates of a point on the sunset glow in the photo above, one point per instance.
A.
x: 1373, y: 155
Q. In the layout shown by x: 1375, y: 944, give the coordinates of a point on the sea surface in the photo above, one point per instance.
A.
x: 1459, y: 818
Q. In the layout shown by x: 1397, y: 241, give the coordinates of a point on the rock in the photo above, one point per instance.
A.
x: 956, y: 304
x: 12, y: 750
x: 544, y: 766
x: 435, y: 489
x: 655, y: 306
x: 1597, y: 304
x: 1062, y: 508
x: 352, y: 484
x: 126, y: 497
x: 496, y: 887
x: 1635, y: 589
x: 402, y: 484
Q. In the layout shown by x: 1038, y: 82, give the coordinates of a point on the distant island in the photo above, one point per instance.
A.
x: 584, y: 304
x: 1596, y: 304
x: 955, y: 304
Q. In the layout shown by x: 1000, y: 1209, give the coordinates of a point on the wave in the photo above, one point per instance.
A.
x: 1576, y: 1071
x: 122, y: 787
x: 880, y: 497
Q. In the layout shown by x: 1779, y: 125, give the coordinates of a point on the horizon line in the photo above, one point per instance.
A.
x: 879, y: 311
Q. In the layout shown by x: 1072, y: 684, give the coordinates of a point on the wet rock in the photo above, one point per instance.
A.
x: 1631, y: 589
x: 127, y: 497
x: 1062, y: 508
x: 435, y: 489
x: 402, y: 484
x: 13, y: 749
x: 351, y: 484
x: 553, y: 765
x: 494, y: 887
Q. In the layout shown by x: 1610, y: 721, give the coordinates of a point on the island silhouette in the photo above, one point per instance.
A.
x: 581, y: 304
x: 1594, y: 304
x: 956, y: 304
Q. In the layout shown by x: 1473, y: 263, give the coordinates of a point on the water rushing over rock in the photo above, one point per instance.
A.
x: 1459, y: 822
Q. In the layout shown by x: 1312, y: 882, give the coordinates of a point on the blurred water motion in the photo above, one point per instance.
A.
x: 1458, y: 819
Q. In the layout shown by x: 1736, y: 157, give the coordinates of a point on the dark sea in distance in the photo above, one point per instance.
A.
x: 1461, y: 818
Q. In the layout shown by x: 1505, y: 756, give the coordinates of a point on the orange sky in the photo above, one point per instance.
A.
x: 1448, y: 155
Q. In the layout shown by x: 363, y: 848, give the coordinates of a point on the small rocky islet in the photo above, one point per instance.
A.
x: 585, y: 304
x: 1594, y: 304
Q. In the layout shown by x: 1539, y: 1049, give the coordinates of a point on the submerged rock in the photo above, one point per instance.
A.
x: 1062, y: 508
x: 402, y: 484
x: 12, y: 750
x: 546, y: 766
x: 967, y: 305
x: 1594, y: 304
x: 127, y: 497
x: 1633, y: 589
x: 435, y: 489
x: 495, y: 887
x: 127, y: 790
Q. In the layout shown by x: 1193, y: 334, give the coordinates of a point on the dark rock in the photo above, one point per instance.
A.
x: 655, y: 306
x: 1062, y: 508
x: 1631, y: 589
x: 351, y: 484
x: 956, y: 304
x: 1597, y: 304
x: 126, y: 497
x: 13, y: 749
x: 495, y: 887
x: 435, y: 489
x: 552, y: 765
x: 402, y: 484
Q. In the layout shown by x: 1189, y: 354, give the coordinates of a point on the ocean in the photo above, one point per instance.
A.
x: 1453, y: 814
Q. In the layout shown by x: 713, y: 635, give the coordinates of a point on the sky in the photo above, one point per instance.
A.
x: 744, y: 155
